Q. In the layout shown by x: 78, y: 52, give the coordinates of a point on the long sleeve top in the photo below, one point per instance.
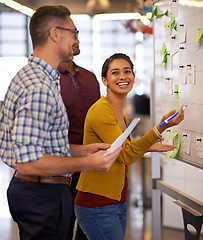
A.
x: 33, y: 119
x: 101, y: 125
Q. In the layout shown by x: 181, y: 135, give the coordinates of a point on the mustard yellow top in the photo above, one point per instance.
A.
x: 101, y: 125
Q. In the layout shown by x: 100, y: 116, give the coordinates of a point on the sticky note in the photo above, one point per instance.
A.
x: 175, y: 106
x: 177, y: 139
x: 171, y: 23
x: 185, y: 143
x: 200, y: 35
x: 176, y: 91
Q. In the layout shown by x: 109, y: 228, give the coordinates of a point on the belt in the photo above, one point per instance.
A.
x: 44, y: 179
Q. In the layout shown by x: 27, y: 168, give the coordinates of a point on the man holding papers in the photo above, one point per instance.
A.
x: 100, y: 204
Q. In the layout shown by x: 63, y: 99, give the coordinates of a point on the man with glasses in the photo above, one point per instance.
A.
x: 76, y: 32
x: 34, y: 133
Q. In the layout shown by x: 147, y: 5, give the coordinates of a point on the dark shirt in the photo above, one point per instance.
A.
x: 78, y: 99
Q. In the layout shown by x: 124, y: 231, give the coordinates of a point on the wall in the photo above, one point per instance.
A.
x: 177, y: 82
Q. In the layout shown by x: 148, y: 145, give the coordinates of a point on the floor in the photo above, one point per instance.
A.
x: 139, y: 211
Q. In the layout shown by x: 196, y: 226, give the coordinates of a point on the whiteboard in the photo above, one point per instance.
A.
x: 183, y: 71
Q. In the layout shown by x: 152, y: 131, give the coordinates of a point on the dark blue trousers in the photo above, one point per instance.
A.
x: 41, y: 211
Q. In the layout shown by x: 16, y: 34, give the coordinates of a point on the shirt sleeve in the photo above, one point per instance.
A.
x: 104, y: 123
x: 31, y: 124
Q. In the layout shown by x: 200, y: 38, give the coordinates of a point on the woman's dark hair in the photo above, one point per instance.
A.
x: 44, y: 19
x: 105, y: 66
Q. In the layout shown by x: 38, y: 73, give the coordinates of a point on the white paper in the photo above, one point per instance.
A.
x: 169, y: 63
x: 174, y: 8
x: 199, y: 147
x: 169, y: 86
x: 166, y: 134
x: 182, y: 55
x: 185, y: 143
x: 174, y: 45
x: 182, y: 33
x: 120, y: 140
x: 173, y: 33
x: 190, y: 74
x: 182, y: 75
x: 168, y: 34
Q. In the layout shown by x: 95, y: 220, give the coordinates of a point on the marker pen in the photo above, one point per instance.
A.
x: 171, y: 117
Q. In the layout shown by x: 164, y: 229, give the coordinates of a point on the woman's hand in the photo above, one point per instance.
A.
x: 157, y: 147
x: 175, y: 121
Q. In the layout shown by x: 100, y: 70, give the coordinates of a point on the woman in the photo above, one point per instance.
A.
x: 100, y: 204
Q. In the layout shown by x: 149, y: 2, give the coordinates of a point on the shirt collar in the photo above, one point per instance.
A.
x: 48, y: 69
x: 52, y: 72
x: 64, y: 70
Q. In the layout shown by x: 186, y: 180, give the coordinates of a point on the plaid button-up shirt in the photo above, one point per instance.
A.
x: 33, y: 120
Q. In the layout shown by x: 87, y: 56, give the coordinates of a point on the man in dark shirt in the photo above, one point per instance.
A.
x: 79, y: 90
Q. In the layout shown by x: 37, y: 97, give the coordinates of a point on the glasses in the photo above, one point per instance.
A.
x: 76, y: 32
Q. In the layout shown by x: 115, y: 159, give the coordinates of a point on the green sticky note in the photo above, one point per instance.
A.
x: 168, y: 154
x: 172, y: 135
x: 178, y: 141
x: 170, y: 22
x: 166, y: 13
x: 163, y: 50
x: 176, y: 91
x: 174, y: 152
x: 200, y: 35
x: 161, y: 15
x: 174, y: 25
x: 164, y: 60
x: 175, y: 106
x: 154, y: 12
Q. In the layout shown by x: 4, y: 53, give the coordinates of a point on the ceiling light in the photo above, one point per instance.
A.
x: 18, y: 7
x: 13, y: 4
x: 136, y: 15
x: 26, y: 10
x: 149, y: 15
x: 117, y: 16
x: 80, y: 17
x: 145, y: 20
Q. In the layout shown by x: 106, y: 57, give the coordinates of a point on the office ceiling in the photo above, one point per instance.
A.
x: 83, y: 6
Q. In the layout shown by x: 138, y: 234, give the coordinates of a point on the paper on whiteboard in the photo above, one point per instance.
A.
x: 120, y: 140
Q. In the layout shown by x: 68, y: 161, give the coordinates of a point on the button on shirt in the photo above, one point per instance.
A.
x: 33, y: 120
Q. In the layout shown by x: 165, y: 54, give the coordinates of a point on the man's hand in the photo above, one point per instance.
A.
x: 98, y: 162
x: 90, y: 158
x: 84, y: 150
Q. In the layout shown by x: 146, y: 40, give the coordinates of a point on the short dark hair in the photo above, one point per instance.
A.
x: 44, y: 19
x: 105, y: 66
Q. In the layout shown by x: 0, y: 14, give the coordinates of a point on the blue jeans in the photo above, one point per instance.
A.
x: 101, y: 223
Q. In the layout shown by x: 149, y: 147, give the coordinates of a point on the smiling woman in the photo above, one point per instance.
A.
x: 100, y: 204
